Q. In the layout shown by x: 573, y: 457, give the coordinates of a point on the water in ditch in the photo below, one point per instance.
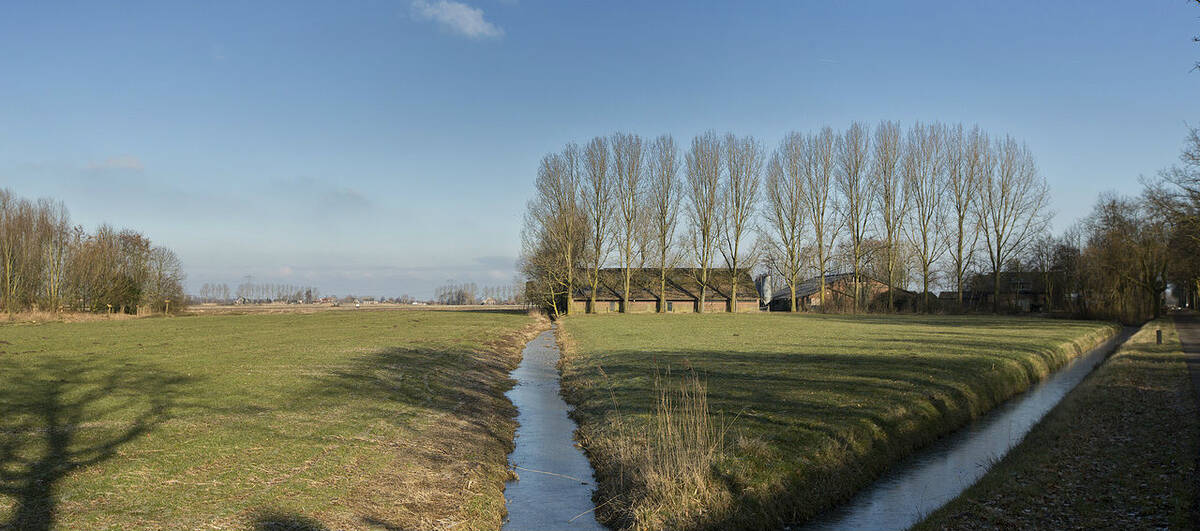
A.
x: 937, y: 474
x: 554, y: 489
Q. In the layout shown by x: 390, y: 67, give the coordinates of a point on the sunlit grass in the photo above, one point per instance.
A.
x: 823, y: 403
x: 339, y: 418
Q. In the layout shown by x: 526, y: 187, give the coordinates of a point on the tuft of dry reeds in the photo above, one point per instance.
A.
x: 666, y: 466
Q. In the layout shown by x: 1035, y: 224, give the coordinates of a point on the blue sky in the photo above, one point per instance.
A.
x: 385, y: 147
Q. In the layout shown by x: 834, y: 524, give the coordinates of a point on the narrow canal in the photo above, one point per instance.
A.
x: 554, y: 489
x: 937, y: 474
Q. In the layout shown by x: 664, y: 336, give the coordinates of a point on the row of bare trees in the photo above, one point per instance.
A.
x: 457, y: 293
x: 48, y: 264
x: 267, y: 292
x: 873, y: 200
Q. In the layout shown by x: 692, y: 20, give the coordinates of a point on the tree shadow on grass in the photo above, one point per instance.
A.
x: 274, y: 520
x: 433, y: 380
x: 65, y: 416
x: 445, y: 400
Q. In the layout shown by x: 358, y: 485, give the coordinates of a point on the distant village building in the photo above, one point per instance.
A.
x: 488, y: 301
x: 682, y: 294
x: 839, y: 292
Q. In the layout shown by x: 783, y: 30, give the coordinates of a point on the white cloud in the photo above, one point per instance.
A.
x: 124, y: 162
x: 457, y: 17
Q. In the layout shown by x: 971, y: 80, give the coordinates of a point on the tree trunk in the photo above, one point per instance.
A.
x: 996, y: 291
x: 625, y: 294
x: 925, y: 287
x: 857, y: 283
x: 891, y: 282
x: 733, y: 292
x: 662, y: 292
x: 570, y: 283
x: 960, y: 290
x: 794, y: 308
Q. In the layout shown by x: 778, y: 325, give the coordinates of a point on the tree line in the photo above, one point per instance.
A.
x: 453, y: 293
x: 1118, y: 262
x: 931, y: 203
x: 256, y: 292
x: 48, y: 264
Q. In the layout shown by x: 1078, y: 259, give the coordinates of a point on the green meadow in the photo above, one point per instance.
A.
x: 330, y: 420
x: 805, y: 408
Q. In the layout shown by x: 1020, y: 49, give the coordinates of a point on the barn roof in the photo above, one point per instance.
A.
x: 812, y: 285
x: 683, y: 284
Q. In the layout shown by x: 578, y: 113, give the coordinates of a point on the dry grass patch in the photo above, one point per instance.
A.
x: 37, y: 316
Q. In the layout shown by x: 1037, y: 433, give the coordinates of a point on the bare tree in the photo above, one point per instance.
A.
x: 1012, y: 207
x: 1043, y: 253
x: 663, y: 196
x: 892, y: 197
x: 554, y: 226
x: 924, y: 173
x: 785, y: 212
x: 743, y: 162
x: 703, y: 162
x: 628, y: 164
x: 821, y: 203
x: 164, y: 288
x: 966, y: 158
x: 598, y: 206
x: 858, y: 196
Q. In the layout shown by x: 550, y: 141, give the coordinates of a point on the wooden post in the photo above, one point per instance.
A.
x: 1158, y: 333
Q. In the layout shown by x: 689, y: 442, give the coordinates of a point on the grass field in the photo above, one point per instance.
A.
x: 331, y: 420
x: 1118, y: 453
x: 816, y: 405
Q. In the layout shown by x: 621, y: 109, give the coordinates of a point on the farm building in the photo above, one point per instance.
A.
x: 1019, y: 292
x: 839, y: 292
x: 682, y: 292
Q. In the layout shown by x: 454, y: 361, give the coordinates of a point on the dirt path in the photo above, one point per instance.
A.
x: 1188, y: 327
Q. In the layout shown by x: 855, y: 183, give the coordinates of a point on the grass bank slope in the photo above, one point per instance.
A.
x: 336, y: 420
x: 1119, y: 452
x: 817, y: 405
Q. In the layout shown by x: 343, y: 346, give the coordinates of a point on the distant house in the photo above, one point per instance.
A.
x: 682, y: 293
x: 1020, y: 291
x: 488, y: 301
x: 839, y: 292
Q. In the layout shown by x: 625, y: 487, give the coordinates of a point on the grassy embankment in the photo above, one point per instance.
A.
x: 815, y: 406
x: 332, y: 420
x: 1119, y: 452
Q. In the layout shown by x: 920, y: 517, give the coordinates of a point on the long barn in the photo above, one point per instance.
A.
x: 682, y: 294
